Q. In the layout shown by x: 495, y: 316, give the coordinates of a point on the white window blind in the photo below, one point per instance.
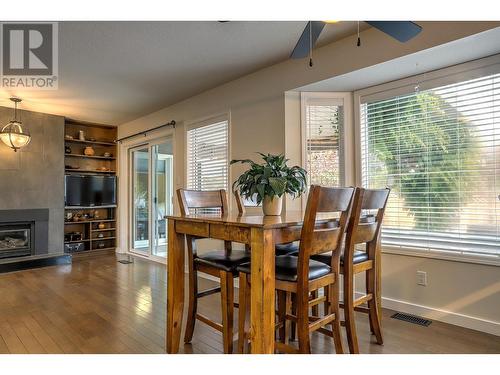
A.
x: 322, y: 132
x: 207, y: 157
x: 439, y: 152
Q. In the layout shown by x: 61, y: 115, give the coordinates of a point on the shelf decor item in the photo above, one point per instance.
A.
x: 89, y: 151
x: 13, y: 134
x: 267, y: 183
x: 81, y: 135
x: 101, y: 226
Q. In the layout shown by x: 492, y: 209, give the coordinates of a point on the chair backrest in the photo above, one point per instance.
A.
x: 239, y: 202
x: 327, y: 235
x: 365, y: 229
x: 196, y: 199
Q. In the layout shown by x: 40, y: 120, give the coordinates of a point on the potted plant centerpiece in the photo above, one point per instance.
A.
x: 267, y: 183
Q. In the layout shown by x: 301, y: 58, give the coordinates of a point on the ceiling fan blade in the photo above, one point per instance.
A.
x: 400, y: 30
x: 303, y: 46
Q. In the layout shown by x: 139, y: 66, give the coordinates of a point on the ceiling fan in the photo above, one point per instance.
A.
x: 402, y: 31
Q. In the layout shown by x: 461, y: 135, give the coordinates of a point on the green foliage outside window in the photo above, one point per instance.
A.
x: 422, y: 153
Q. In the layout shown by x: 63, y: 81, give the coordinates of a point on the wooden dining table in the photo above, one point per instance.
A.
x: 262, y: 233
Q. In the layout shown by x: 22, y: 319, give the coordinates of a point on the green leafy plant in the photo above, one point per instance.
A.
x: 273, y: 178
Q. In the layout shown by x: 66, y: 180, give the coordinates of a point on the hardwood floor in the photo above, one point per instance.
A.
x: 97, y: 305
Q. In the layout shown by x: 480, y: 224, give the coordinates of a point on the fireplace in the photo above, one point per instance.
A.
x: 16, y: 240
x: 23, y: 233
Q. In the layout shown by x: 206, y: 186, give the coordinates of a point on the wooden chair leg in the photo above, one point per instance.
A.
x: 367, y: 289
x: 378, y: 279
x: 244, y: 293
x: 333, y: 307
x: 326, y: 293
x: 350, y: 323
x: 315, y: 308
x: 282, y: 314
x: 193, y: 304
x: 284, y: 308
x: 373, y: 306
x: 227, y: 300
x: 293, y: 330
x: 288, y: 310
x: 303, y: 324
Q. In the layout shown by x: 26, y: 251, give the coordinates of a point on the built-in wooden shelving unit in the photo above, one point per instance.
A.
x: 94, y: 227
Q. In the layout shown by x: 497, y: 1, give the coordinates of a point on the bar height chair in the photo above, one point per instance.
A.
x: 301, y: 275
x: 364, y: 227
x: 220, y: 263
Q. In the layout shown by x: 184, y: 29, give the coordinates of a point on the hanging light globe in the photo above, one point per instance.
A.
x: 13, y: 134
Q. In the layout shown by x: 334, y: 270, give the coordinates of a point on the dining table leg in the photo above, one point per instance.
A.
x: 262, y: 310
x: 175, y: 287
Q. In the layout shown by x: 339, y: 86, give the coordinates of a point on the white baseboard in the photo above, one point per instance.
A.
x: 450, y: 317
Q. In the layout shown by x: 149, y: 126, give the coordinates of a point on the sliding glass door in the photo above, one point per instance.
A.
x: 151, y: 196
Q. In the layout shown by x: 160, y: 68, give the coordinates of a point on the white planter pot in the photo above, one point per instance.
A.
x: 272, y: 205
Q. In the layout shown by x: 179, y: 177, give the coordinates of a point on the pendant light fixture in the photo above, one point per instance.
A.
x: 13, y: 134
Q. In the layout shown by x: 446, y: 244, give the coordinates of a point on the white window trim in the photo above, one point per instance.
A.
x: 346, y: 166
x: 461, y: 72
x: 198, y: 123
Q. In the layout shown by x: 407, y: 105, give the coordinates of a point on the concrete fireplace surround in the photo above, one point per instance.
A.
x: 32, y: 179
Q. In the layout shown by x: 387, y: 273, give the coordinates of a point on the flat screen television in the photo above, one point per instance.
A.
x: 90, y: 191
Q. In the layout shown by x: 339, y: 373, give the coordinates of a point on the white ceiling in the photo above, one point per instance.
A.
x: 114, y: 72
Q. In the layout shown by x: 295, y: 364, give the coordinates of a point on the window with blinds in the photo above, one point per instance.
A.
x: 322, y: 141
x: 439, y: 152
x: 207, y: 157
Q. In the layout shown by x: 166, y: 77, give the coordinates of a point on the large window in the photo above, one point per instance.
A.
x: 323, y: 125
x: 438, y: 149
x: 207, y: 156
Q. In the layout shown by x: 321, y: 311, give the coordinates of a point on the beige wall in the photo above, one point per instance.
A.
x: 263, y: 116
x: 463, y: 288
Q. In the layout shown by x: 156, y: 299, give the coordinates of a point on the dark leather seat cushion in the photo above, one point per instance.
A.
x: 220, y: 260
x: 287, y: 248
x: 286, y: 268
x: 359, y: 257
